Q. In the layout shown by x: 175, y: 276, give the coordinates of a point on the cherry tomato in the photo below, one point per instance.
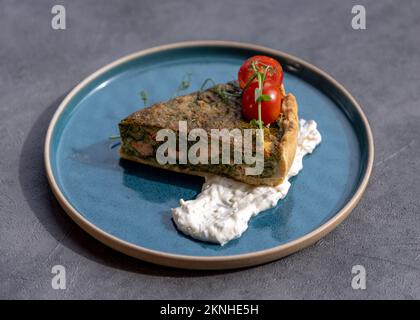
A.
x: 270, y: 110
x: 274, y: 74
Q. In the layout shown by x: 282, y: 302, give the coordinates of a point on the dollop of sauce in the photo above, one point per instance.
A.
x: 222, y: 210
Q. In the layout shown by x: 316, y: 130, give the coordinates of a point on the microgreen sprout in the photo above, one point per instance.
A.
x: 184, y: 85
x: 205, y: 83
x: 143, y: 96
x: 259, y: 96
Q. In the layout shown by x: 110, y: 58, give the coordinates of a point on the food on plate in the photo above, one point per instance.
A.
x: 219, y: 107
x: 230, y: 196
x: 221, y: 212
x: 246, y: 73
x: 270, y: 109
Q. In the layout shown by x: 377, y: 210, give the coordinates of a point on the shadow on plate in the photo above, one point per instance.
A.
x: 137, y: 175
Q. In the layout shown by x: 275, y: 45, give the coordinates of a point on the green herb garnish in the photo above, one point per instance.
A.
x: 256, y: 123
x: 222, y: 93
x: 259, y: 96
x: 116, y: 144
x: 184, y: 85
x: 143, y: 96
x: 264, y: 97
x: 205, y: 82
x: 114, y: 137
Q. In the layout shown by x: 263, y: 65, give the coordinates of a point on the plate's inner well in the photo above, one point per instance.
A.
x: 133, y: 201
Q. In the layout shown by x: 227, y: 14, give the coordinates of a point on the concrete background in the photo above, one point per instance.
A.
x: 380, y: 66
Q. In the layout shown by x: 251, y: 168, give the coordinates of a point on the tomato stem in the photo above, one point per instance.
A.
x: 260, y: 88
x: 261, y: 78
x: 250, y: 80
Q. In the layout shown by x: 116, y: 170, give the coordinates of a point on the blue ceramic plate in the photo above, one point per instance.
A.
x: 127, y: 205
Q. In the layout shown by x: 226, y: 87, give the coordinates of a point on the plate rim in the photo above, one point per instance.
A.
x: 207, y: 262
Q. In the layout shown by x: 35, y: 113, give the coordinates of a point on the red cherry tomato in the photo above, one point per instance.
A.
x: 270, y: 110
x: 274, y: 74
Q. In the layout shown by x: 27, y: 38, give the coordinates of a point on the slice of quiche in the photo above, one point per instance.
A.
x: 216, y: 108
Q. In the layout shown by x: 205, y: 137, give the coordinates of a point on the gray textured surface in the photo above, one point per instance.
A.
x: 380, y: 66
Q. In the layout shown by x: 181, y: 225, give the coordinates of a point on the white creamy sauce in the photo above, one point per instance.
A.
x: 221, y: 211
